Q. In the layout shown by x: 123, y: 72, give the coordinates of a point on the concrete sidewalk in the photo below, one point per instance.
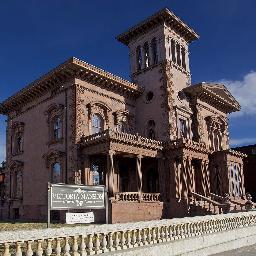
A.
x: 244, y: 251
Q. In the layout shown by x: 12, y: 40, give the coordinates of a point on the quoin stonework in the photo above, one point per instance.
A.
x: 158, y: 143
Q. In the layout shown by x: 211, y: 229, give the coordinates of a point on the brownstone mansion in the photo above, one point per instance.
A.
x: 158, y: 143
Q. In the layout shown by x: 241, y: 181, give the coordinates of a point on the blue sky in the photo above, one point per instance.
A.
x: 38, y: 35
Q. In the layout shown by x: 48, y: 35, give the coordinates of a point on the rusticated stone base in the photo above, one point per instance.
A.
x: 136, y: 211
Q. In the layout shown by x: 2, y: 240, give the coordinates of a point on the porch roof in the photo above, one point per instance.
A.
x: 123, y: 143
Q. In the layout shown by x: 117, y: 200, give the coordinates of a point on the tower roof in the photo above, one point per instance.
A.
x: 164, y: 15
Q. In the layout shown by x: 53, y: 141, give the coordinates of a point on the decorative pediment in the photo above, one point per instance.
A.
x: 16, y: 165
x: 53, y: 156
x: 54, y: 110
x: 18, y: 127
x: 98, y: 107
x: 216, y: 95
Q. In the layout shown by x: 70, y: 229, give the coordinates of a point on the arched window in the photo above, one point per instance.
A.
x: 56, y: 172
x: 139, y: 58
x: 146, y: 55
x: 173, y: 50
x: 154, y: 51
x: 183, y: 55
x: 178, y: 54
x: 57, y: 128
x: 151, y: 129
x: 97, y: 123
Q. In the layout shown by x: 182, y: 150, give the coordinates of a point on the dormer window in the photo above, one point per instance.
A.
x: 154, y: 51
x: 139, y: 58
x: 146, y: 55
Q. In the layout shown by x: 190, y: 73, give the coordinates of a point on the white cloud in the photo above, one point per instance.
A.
x: 245, y: 93
x: 242, y: 141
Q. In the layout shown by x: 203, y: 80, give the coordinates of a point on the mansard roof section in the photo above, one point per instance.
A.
x: 161, y: 17
x: 72, y: 68
x: 216, y: 95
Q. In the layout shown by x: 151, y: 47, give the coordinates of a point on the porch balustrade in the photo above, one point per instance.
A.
x: 121, y: 237
x: 122, y: 137
x: 135, y: 197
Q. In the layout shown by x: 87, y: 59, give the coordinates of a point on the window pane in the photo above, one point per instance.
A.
x: 154, y: 51
x: 57, y: 128
x: 56, y: 173
x: 138, y: 58
x: 146, y: 55
x: 97, y: 123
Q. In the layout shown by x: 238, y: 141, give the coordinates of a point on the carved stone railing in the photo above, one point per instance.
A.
x: 94, y: 240
x: 236, y: 204
x: 122, y: 137
x: 208, y: 204
x: 137, y: 197
x: 188, y: 143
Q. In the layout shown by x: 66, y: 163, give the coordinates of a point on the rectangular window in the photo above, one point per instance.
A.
x: 183, y: 128
x: 173, y: 50
x: 178, y: 54
x: 183, y: 55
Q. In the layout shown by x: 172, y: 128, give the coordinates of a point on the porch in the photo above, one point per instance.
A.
x: 132, y: 169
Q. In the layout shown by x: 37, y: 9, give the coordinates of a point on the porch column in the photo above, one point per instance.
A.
x: 86, y: 173
x: 110, y: 172
x: 162, y: 177
x: 139, y: 174
x: 184, y: 177
x: 190, y: 177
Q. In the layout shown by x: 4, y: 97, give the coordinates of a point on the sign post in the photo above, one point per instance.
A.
x: 69, y: 197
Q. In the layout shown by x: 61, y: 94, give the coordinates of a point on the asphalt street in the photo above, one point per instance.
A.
x: 245, y: 251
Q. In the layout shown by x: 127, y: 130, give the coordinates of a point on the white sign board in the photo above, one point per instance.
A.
x: 76, y: 218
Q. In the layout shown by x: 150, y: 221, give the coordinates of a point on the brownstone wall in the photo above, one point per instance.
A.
x: 136, y: 211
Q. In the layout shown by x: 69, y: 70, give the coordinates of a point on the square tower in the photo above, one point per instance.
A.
x: 159, y: 60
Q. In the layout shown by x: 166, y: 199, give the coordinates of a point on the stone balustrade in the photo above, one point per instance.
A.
x: 110, y: 134
x: 94, y: 240
x: 135, y: 197
x: 209, y: 204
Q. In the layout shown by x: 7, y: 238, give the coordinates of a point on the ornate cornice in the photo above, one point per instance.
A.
x: 215, y: 95
x: 164, y: 16
x: 72, y: 68
x: 52, y: 156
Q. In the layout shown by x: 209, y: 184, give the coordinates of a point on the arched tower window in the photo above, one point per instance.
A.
x: 97, y: 123
x: 139, y: 58
x: 146, y: 55
x: 151, y: 129
x: 154, y: 51
x: 56, y: 172
x: 183, y: 56
x: 178, y: 54
x: 173, y: 50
